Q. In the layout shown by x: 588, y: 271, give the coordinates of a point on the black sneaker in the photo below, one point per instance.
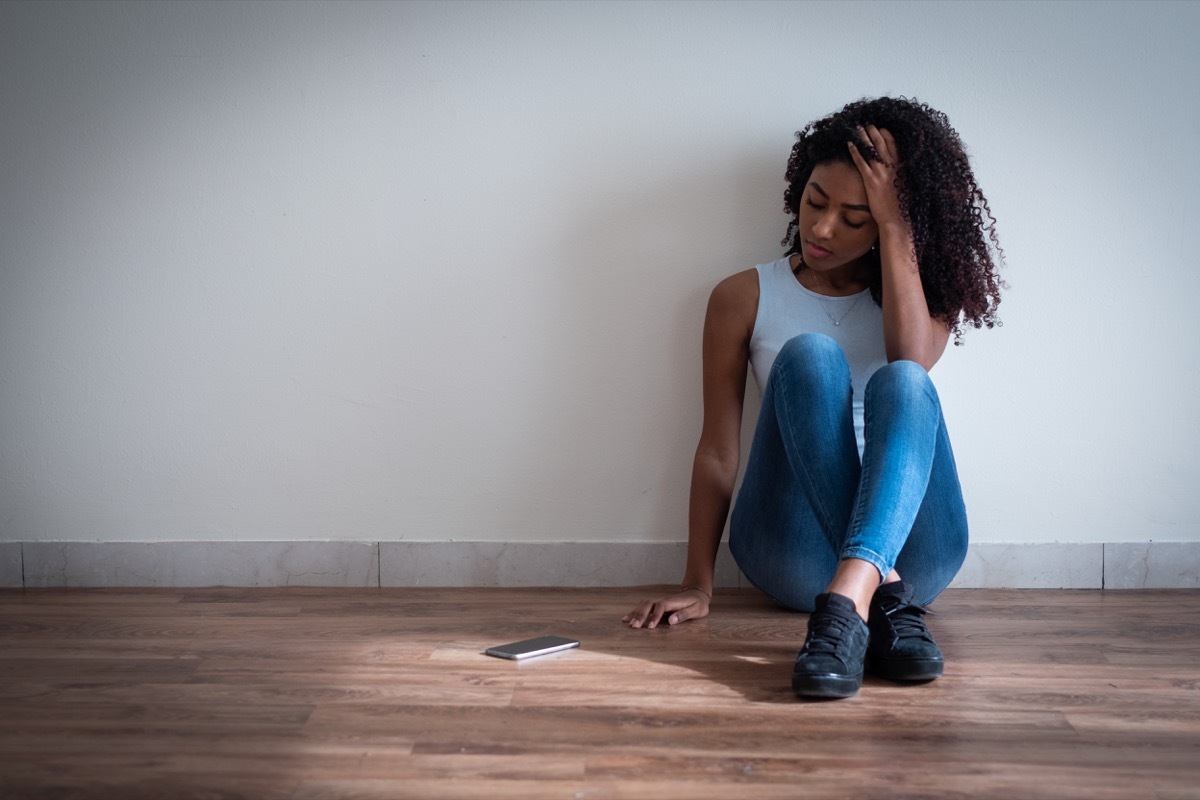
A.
x: 901, y: 648
x: 831, y: 662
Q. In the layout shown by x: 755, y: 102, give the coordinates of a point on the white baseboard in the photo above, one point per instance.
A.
x: 1119, y: 565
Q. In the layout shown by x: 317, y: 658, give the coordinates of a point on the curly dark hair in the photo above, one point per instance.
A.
x: 953, y: 229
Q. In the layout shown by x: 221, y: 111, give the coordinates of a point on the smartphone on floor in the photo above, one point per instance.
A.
x: 529, y: 648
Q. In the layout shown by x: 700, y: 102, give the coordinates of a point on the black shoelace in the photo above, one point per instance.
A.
x: 908, y: 620
x: 827, y: 633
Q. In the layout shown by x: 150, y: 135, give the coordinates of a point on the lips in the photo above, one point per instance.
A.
x: 816, y: 251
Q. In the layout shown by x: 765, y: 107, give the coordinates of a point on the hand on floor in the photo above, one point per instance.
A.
x: 672, y: 609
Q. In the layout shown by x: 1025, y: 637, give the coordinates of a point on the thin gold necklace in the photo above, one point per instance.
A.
x: 837, y: 321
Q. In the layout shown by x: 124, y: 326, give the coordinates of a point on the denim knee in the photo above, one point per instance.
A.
x: 813, y: 354
x: 809, y: 345
x: 899, y: 381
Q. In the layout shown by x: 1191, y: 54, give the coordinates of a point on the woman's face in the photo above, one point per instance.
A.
x: 835, y: 223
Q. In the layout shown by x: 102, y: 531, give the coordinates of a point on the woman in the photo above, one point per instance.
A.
x: 850, y: 508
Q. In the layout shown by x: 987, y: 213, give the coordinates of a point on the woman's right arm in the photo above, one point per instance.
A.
x: 728, y: 325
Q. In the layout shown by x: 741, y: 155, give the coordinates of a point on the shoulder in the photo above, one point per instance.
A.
x: 738, y: 291
x: 733, y: 304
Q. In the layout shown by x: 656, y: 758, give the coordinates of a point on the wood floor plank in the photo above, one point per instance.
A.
x: 313, y: 693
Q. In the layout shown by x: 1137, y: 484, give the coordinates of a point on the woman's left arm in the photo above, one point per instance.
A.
x: 909, y: 332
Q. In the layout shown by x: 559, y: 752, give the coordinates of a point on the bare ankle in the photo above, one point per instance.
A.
x: 857, y: 580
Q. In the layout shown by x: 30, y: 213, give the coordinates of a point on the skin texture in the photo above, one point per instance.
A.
x: 845, y: 209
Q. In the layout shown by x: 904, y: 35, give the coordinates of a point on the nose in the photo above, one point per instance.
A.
x: 825, y: 225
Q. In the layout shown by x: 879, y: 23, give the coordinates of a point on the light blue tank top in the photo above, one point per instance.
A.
x: 786, y: 309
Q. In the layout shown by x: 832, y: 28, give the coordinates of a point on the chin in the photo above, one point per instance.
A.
x: 829, y: 265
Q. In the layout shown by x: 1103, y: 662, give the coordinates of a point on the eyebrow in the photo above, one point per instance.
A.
x: 851, y: 206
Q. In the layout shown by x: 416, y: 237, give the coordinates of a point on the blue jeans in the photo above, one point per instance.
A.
x: 806, y: 502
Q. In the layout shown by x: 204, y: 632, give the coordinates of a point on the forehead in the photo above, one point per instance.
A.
x: 840, y: 181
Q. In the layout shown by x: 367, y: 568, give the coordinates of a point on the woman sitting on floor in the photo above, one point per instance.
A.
x: 850, y: 507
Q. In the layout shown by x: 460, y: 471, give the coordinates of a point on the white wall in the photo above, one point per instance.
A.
x: 436, y: 271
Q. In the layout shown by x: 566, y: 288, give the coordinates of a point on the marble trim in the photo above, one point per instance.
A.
x: 172, y: 564
x: 1123, y: 565
x: 541, y: 564
x: 11, y: 576
x: 1152, y: 565
x: 1033, y: 566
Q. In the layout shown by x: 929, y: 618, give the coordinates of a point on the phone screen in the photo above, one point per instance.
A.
x: 528, y: 648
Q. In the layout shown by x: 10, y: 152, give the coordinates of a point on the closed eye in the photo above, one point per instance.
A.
x: 855, y: 225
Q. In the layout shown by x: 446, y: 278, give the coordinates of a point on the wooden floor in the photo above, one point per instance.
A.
x: 333, y: 693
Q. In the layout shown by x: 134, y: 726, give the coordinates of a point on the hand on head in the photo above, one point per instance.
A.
x: 879, y: 176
